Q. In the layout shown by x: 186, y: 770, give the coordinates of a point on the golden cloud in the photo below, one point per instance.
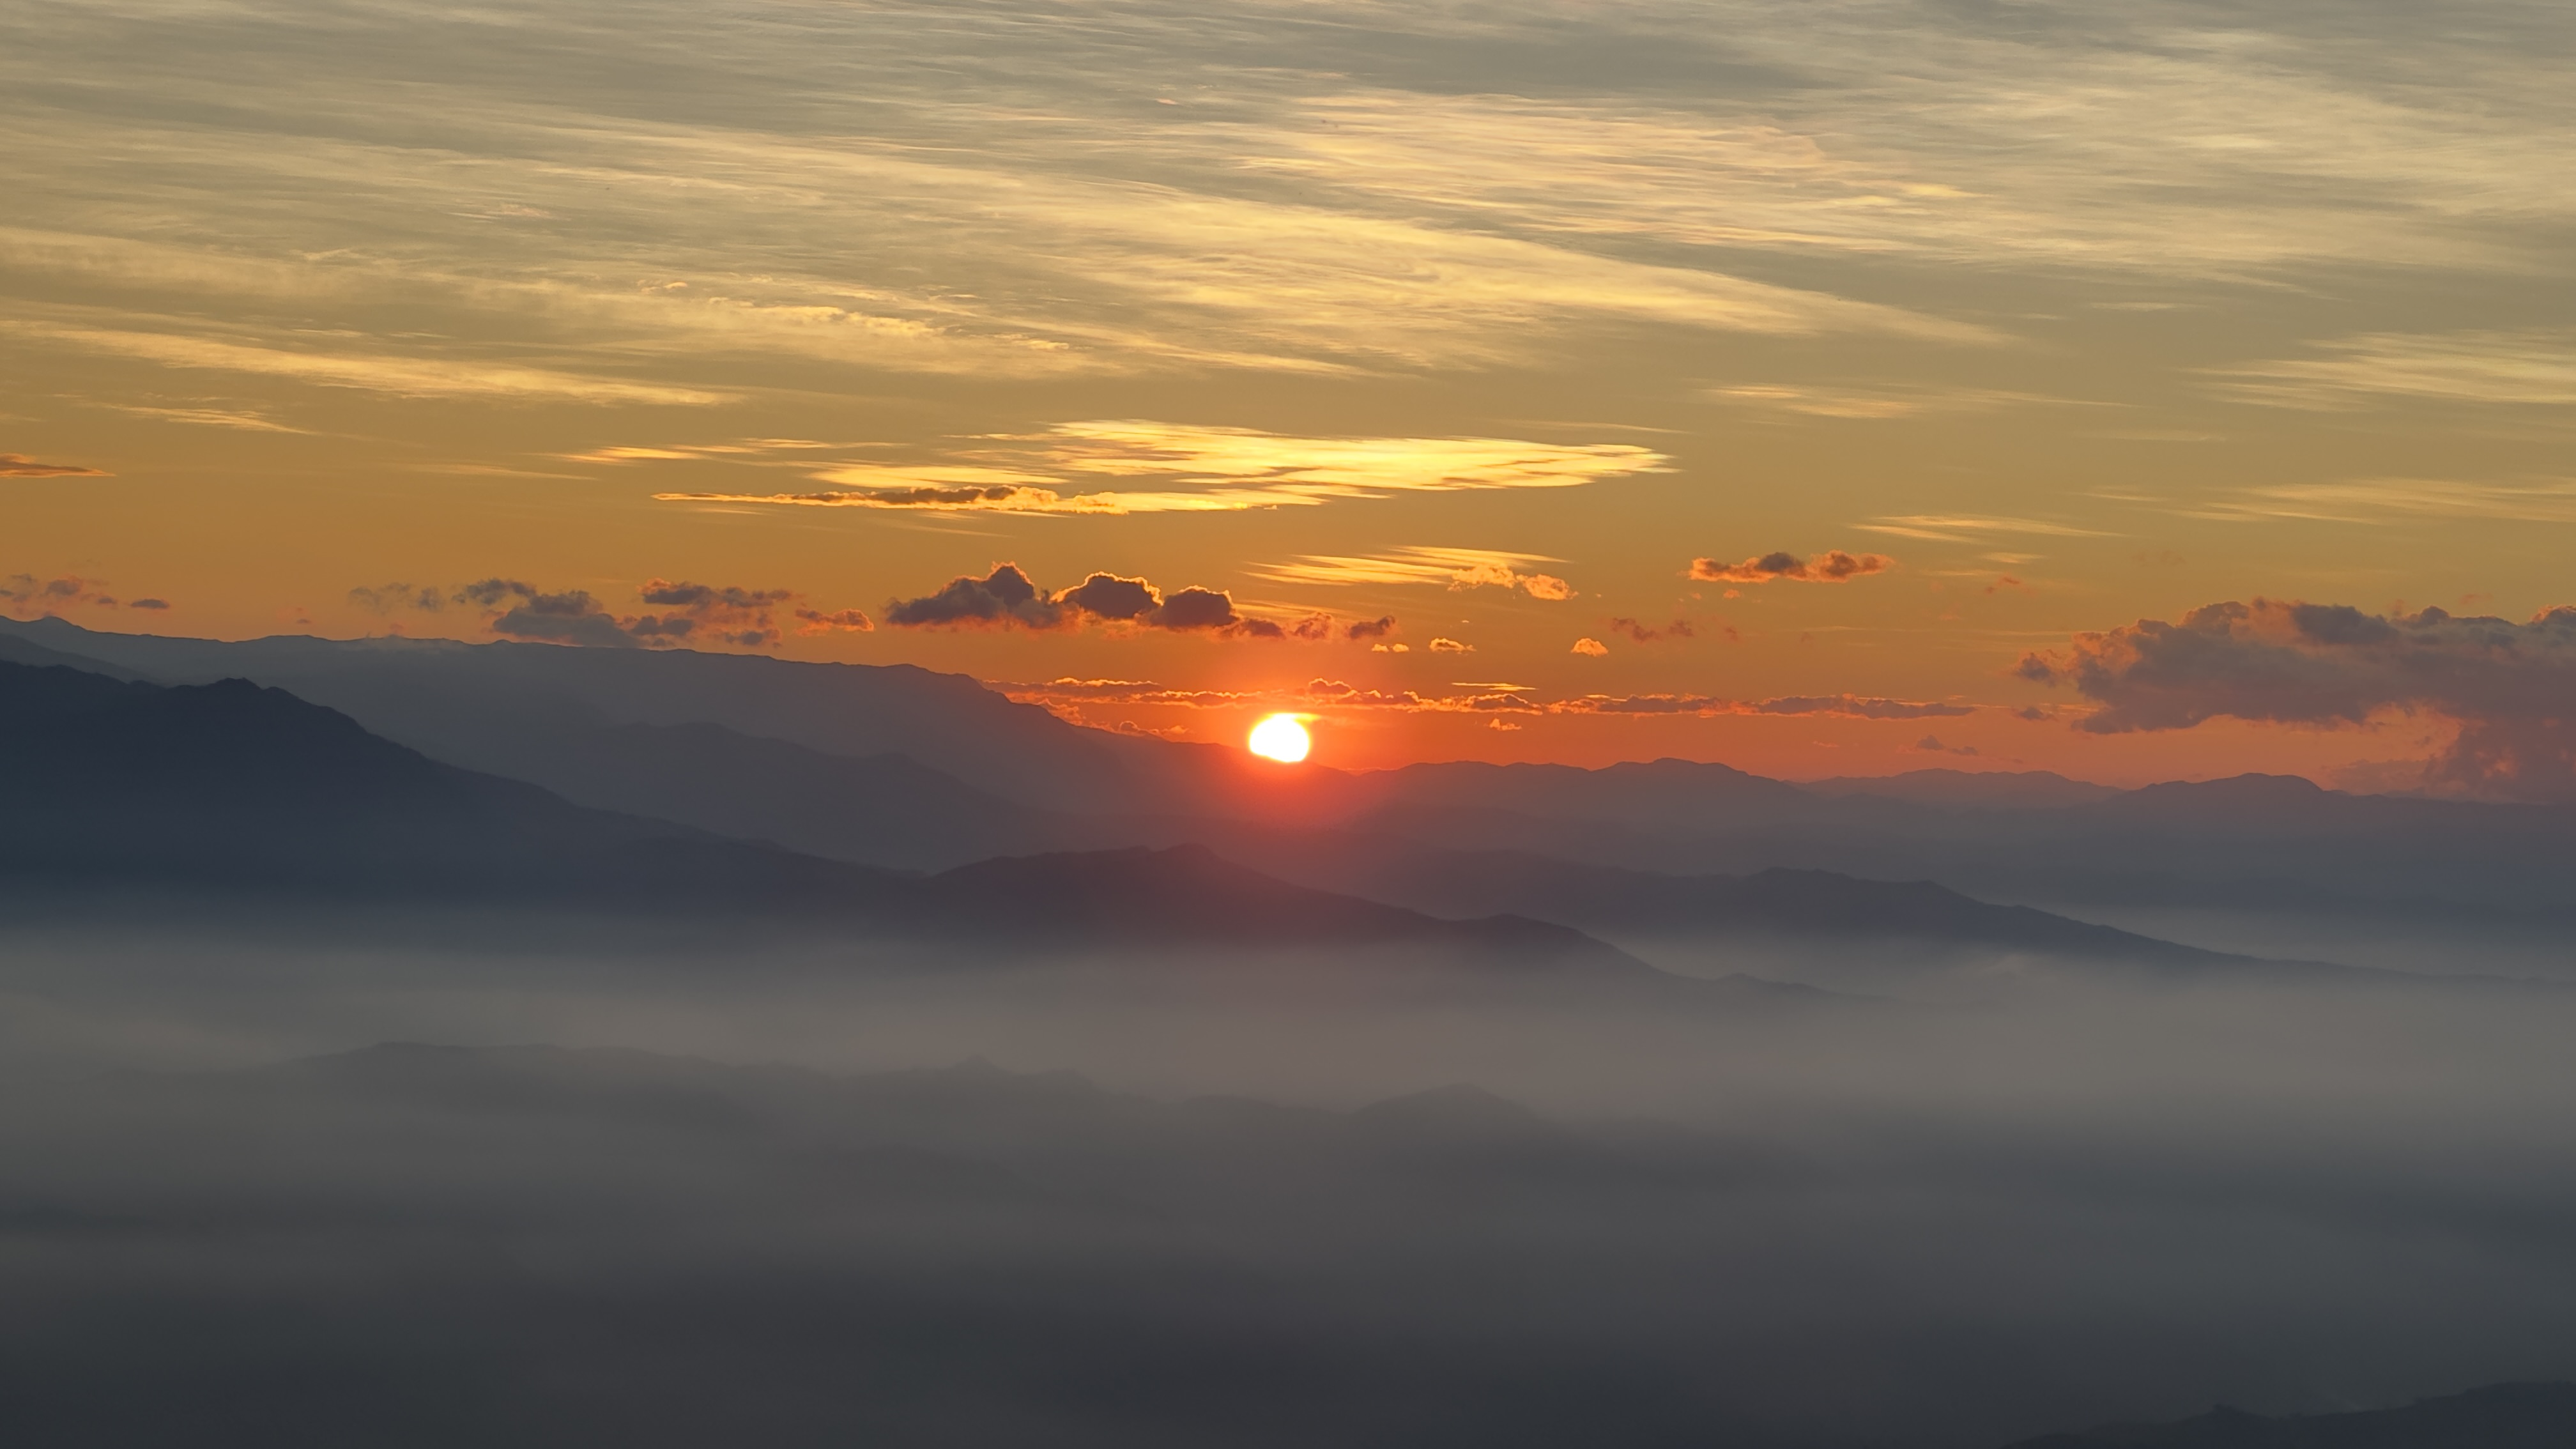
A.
x: 18, y: 465
x: 1232, y: 469
x: 371, y: 372
x: 1455, y: 568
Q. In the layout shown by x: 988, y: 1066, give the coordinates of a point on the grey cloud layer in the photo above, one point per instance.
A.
x: 2510, y: 687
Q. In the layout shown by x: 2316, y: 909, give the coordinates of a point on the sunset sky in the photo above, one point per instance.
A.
x: 1828, y: 387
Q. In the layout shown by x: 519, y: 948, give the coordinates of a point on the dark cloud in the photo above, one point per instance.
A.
x: 1002, y: 599
x: 835, y: 621
x: 16, y: 465
x: 1196, y: 608
x: 396, y: 598
x: 1833, y: 566
x: 1369, y: 628
x: 1107, y: 596
x: 681, y: 613
x: 1006, y: 598
x: 25, y: 594
x: 1644, y: 633
x: 2511, y: 688
x: 521, y: 610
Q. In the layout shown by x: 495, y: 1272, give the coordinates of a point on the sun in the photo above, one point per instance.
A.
x: 1281, y: 738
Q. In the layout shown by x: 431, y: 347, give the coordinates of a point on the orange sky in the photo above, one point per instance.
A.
x: 1347, y: 312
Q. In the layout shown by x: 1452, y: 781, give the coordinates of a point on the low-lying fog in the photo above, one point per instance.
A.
x: 1262, y: 1213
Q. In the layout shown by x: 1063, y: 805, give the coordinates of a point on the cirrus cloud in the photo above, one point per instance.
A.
x: 1216, y: 470
x: 1488, y: 698
x: 1453, y: 568
x: 18, y: 465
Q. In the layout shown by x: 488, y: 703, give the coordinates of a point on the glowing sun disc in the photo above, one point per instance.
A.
x: 1281, y: 738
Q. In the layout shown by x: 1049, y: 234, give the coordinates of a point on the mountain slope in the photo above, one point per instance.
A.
x: 461, y: 702
x: 1188, y: 892
x: 235, y: 785
x: 885, y: 810
x: 241, y: 788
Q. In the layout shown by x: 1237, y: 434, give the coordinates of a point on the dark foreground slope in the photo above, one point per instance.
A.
x: 2505, y: 1416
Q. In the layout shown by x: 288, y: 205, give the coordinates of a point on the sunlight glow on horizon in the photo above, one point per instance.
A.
x: 1280, y: 737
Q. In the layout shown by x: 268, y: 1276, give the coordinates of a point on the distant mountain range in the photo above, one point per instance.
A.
x: 907, y: 771
x: 2505, y: 1416
x: 238, y: 787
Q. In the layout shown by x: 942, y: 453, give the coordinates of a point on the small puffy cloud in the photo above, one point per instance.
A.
x: 836, y: 621
x: 675, y: 613
x: 730, y: 615
x: 17, y: 465
x: 520, y: 610
x: 1002, y: 599
x: 1006, y: 598
x: 1450, y: 646
x: 27, y: 596
x: 1195, y: 608
x: 1590, y: 648
x: 397, y: 598
x: 1931, y: 745
x: 1833, y: 566
x: 1106, y: 596
x: 2510, y: 688
x: 1644, y: 633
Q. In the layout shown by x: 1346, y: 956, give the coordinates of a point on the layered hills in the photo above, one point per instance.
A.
x: 238, y: 787
x: 902, y: 770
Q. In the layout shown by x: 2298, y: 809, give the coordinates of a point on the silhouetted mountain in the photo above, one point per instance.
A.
x: 583, y: 721
x: 234, y: 786
x: 1787, y: 902
x: 1189, y: 893
x: 885, y: 810
x: 15, y: 649
x: 2259, y: 842
x: 468, y: 704
x: 1991, y: 789
x: 2506, y: 1416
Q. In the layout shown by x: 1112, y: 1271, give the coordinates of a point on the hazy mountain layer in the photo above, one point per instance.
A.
x: 2505, y: 1416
